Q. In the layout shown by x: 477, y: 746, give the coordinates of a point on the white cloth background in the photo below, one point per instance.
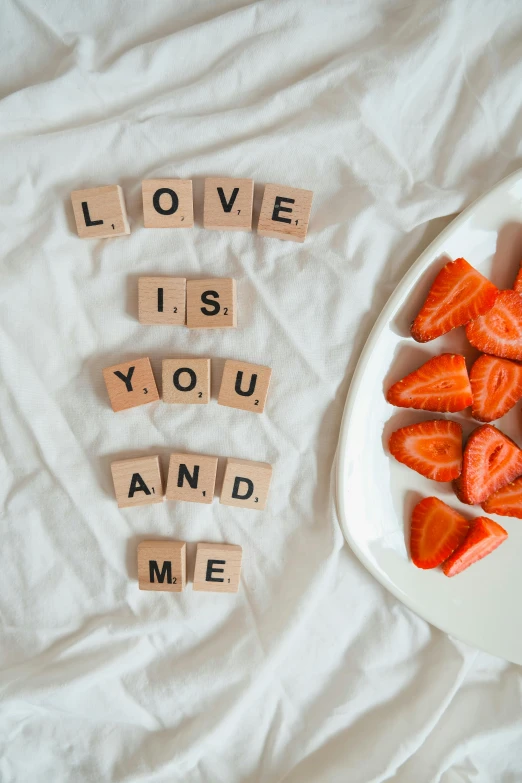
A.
x: 396, y: 115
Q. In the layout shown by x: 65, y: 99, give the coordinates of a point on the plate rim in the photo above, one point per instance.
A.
x: 340, y: 467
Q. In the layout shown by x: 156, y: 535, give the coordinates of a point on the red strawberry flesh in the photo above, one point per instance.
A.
x: 490, y: 461
x: 499, y: 332
x: 506, y: 501
x: 441, y: 384
x: 496, y: 385
x: 483, y: 538
x: 458, y: 295
x: 432, y: 448
x: 436, y: 531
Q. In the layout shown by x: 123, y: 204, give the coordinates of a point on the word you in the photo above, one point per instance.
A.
x: 186, y: 381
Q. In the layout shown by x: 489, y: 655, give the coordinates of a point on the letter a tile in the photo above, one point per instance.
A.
x: 137, y: 481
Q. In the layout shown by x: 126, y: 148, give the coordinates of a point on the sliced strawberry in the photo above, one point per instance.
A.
x: 506, y: 501
x: 432, y: 448
x: 490, y: 461
x: 499, y: 332
x: 496, y: 385
x: 458, y: 295
x: 441, y: 384
x: 436, y: 531
x: 484, y: 536
x: 518, y: 282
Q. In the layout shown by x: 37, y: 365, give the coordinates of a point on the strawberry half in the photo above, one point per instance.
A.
x: 458, y: 295
x: 436, y: 531
x: 432, y: 448
x: 499, y: 331
x: 441, y: 384
x: 484, y: 536
x: 490, y: 461
x: 496, y: 385
x: 506, y: 501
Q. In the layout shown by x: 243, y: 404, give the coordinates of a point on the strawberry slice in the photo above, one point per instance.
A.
x: 499, y: 331
x: 441, y: 384
x: 432, y: 448
x: 484, y: 536
x: 518, y: 282
x: 496, y: 385
x: 458, y: 295
x: 490, y: 461
x: 436, y: 531
x: 506, y: 501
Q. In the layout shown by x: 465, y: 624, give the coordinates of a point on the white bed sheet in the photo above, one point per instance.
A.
x: 396, y: 115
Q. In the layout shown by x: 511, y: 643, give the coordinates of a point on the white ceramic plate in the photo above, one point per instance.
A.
x: 376, y: 494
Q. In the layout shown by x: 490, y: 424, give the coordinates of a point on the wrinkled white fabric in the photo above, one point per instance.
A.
x: 397, y: 115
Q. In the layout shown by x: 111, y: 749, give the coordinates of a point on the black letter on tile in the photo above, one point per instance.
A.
x: 248, y: 493
x: 183, y: 473
x: 164, y: 575
x: 87, y: 217
x: 137, y: 485
x: 211, y: 570
x: 156, y: 201
x: 227, y: 205
x: 160, y: 300
x: 192, y: 382
x: 215, y: 305
x: 239, y: 381
x: 126, y: 378
x: 278, y: 208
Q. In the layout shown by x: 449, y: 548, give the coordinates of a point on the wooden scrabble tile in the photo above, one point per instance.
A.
x: 186, y: 381
x: 211, y: 303
x: 130, y: 384
x: 246, y: 484
x: 285, y: 212
x: 167, y: 203
x: 228, y: 203
x: 192, y: 477
x: 100, y: 212
x: 137, y: 481
x: 218, y: 568
x: 162, y: 300
x: 162, y: 565
x: 244, y: 386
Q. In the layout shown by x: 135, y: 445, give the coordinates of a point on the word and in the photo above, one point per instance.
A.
x: 192, y: 479
x: 162, y: 565
x: 168, y: 203
x: 186, y: 381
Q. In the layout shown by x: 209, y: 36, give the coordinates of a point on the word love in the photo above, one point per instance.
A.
x: 191, y: 479
x: 186, y: 381
x: 168, y: 203
x: 162, y: 565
